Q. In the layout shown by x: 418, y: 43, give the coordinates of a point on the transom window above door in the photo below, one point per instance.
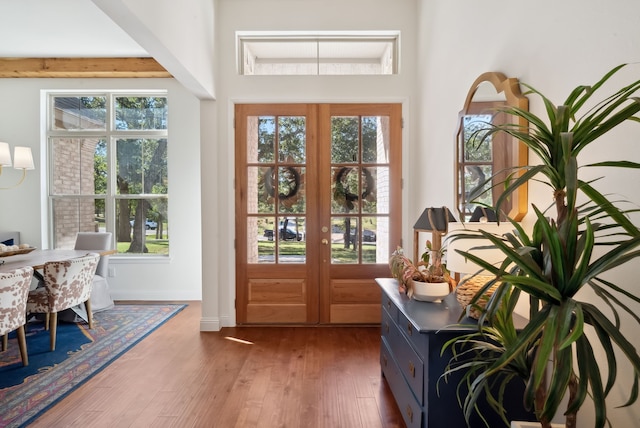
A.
x: 317, y: 53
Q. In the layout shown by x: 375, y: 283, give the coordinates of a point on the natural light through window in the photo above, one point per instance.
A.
x: 108, y: 168
x: 323, y: 53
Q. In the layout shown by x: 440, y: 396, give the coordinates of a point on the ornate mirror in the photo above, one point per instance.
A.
x: 494, y: 158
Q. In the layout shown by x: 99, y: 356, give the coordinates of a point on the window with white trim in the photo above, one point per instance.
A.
x: 317, y: 53
x: 107, y: 157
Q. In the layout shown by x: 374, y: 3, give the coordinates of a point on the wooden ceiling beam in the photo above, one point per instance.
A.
x: 81, y: 67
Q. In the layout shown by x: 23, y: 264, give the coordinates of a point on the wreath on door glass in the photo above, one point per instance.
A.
x: 344, y: 197
x: 288, y: 185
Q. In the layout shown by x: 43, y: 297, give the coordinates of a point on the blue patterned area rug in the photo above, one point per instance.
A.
x: 26, y: 392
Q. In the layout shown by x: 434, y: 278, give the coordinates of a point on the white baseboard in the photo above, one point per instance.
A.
x: 210, y: 324
x: 154, y: 296
x: 227, y: 321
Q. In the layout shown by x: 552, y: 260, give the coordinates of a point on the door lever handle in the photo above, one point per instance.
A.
x: 324, y: 241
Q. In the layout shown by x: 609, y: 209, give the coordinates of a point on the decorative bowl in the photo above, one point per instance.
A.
x: 16, y: 252
x: 430, y: 291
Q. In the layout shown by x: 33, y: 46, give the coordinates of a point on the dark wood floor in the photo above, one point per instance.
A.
x: 238, y: 377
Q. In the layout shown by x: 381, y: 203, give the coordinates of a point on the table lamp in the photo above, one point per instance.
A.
x: 436, y: 221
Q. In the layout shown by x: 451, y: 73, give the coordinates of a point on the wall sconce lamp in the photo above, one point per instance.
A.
x: 436, y: 221
x: 22, y: 160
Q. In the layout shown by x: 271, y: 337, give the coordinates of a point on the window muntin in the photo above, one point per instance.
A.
x: 108, y: 169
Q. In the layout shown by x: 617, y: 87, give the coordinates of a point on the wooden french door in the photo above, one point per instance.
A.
x: 317, y: 210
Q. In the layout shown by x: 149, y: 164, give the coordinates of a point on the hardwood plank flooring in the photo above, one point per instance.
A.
x: 325, y: 377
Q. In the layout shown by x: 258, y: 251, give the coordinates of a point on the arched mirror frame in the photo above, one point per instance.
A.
x: 510, y: 89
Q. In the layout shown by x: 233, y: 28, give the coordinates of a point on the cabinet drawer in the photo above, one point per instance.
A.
x: 387, y: 325
x: 420, y: 341
x: 390, y: 307
x: 410, y: 363
x: 409, y: 407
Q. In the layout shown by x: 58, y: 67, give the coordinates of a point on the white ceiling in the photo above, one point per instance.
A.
x: 61, y: 28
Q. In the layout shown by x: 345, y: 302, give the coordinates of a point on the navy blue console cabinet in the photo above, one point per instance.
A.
x: 413, y: 333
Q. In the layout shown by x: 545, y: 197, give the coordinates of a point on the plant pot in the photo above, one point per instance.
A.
x: 430, y: 291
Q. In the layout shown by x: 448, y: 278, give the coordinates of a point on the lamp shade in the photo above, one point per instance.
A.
x: 22, y: 158
x: 434, y: 219
x: 457, y: 262
x: 5, y: 154
x: 483, y: 215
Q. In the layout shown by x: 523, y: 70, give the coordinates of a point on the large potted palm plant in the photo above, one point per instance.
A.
x: 553, y: 354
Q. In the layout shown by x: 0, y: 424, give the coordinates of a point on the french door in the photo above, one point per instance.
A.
x: 317, y: 210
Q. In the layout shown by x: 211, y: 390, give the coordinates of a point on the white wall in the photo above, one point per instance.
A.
x: 553, y: 46
x: 175, y: 278
x: 178, y: 34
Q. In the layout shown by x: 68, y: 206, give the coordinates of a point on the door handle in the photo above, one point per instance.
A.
x: 325, y: 241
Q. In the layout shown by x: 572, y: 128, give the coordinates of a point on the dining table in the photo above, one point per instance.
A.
x: 37, y: 258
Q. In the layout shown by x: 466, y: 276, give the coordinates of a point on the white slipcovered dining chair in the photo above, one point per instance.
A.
x: 14, y: 289
x: 67, y: 283
x: 97, y: 242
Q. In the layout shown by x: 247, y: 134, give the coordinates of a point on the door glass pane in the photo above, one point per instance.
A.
x: 292, y: 135
x: 375, y: 239
x: 260, y: 240
x: 344, y: 139
x: 344, y: 240
x: 375, y: 139
x: 260, y: 198
x: 291, y: 240
x: 345, y: 190
x: 261, y: 139
x: 291, y: 193
x: 370, y: 186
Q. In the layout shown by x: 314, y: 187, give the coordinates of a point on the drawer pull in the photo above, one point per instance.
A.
x: 386, y: 327
x: 412, y: 369
x: 409, y: 413
x: 389, y: 304
x: 409, y: 329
